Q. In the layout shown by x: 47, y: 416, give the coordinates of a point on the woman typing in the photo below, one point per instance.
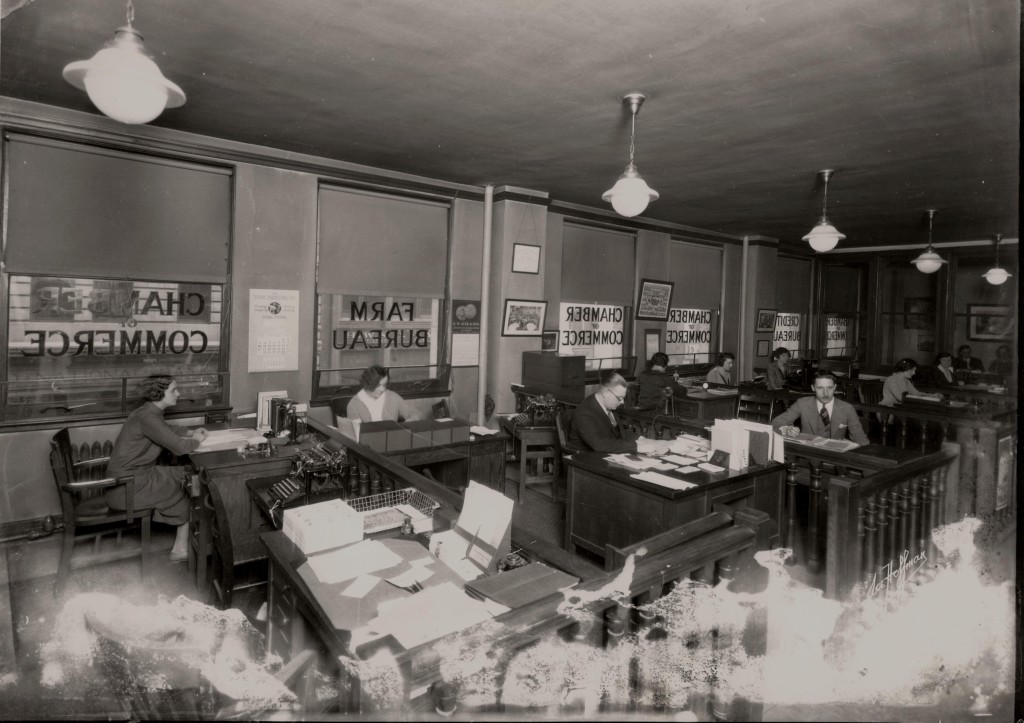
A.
x: 375, y: 402
x: 144, y: 435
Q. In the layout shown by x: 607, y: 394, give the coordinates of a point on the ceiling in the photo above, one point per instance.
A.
x: 915, y: 103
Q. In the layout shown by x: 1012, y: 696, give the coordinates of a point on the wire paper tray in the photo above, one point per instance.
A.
x: 379, y: 511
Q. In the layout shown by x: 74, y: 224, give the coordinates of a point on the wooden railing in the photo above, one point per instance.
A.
x: 880, y: 523
x: 717, y: 550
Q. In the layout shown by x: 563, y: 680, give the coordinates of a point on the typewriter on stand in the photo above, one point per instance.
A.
x: 317, y: 473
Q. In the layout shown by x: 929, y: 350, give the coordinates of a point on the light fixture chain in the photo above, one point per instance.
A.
x: 632, y: 138
x: 130, y: 12
x: 824, y: 202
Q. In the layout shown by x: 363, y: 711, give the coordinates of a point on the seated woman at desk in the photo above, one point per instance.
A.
x: 722, y: 372
x: 898, y: 383
x: 375, y: 402
x: 1003, y: 363
x: 776, y: 375
x: 942, y: 373
x: 144, y: 435
x: 655, y: 384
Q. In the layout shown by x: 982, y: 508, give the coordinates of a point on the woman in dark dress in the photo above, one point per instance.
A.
x: 144, y: 435
x: 655, y: 384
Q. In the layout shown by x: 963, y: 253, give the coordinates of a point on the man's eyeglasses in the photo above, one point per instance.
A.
x: 617, y: 397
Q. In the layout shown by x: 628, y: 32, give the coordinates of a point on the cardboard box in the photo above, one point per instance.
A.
x: 399, y: 439
x: 420, y: 433
x: 375, y: 434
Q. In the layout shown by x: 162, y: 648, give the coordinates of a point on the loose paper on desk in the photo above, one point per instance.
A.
x: 346, y: 563
x: 425, y: 616
x: 220, y: 439
x: 664, y: 480
x: 482, y: 431
x: 483, y: 528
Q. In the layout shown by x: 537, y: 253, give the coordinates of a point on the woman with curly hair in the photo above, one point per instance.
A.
x: 144, y: 435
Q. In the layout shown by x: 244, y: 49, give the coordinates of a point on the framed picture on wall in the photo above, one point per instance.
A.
x: 919, y: 313
x: 525, y: 259
x: 523, y: 317
x: 549, y: 341
x: 989, y: 323
x: 654, y: 300
x: 763, y: 347
x: 766, y: 320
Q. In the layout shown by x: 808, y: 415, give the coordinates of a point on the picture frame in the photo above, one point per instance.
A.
x: 549, y: 341
x: 525, y: 259
x: 523, y: 317
x: 765, y: 321
x: 764, y: 347
x: 989, y: 322
x: 654, y: 300
x: 919, y: 313
x: 926, y: 343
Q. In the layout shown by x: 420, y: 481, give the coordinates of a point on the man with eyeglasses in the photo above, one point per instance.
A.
x: 595, y: 426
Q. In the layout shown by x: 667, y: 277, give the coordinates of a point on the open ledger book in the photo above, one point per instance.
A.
x: 835, y: 445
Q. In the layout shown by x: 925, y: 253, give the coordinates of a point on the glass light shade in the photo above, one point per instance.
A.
x: 824, y: 236
x: 928, y: 262
x: 630, y: 194
x: 123, y: 82
x: 996, y: 275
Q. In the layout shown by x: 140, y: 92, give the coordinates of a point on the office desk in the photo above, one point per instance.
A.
x: 481, y: 458
x: 698, y: 404
x: 604, y: 505
x: 536, y: 447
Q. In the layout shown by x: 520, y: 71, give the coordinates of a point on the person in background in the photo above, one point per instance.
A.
x: 822, y: 416
x: 776, y: 376
x: 942, y: 376
x: 967, y: 364
x: 898, y: 383
x: 143, y: 436
x: 595, y: 426
x: 375, y: 402
x: 1003, y: 363
x: 655, y: 384
x: 722, y: 371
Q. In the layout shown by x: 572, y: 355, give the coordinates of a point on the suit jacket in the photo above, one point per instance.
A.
x: 938, y: 380
x: 775, y: 378
x: 591, y: 429
x: 844, y: 420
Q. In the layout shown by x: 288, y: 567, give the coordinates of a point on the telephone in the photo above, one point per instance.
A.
x: 286, y: 491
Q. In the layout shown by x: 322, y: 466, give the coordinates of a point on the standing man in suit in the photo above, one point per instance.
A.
x: 595, y: 426
x: 823, y: 416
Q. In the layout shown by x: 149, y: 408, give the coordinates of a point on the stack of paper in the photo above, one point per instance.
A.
x: 747, y: 442
x: 664, y: 480
x: 481, y: 536
x: 635, y: 461
x: 322, y: 526
x: 220, y: 439
x: 426, y: 616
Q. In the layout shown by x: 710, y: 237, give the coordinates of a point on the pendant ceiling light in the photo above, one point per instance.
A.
x: 997, y: 274
x: 824, y: 236
x: 929, y: 262
x: 123, y: 81
x: 631, y: 194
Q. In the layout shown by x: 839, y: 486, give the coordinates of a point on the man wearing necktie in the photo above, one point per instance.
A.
x: 823, y: 415
x: 595, y: 426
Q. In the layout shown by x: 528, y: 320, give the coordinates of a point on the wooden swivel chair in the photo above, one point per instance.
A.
x: 238, y: 559
x: 80, y: 485
x: 754, y: 408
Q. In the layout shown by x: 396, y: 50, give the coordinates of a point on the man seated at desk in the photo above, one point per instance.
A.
x: 822, y: 416
x: 375, y: 402
x: 967, y: 364
x: 595, y: 426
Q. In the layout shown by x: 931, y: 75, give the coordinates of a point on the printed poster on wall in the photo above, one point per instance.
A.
x: 787, y: 332
x: 688, y: 335
x: 838, y: 335
x: 591, y: 330
x: 273, y: 330
x: 465, y: 332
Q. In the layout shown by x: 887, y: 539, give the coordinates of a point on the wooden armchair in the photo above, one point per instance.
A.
x: 80, y: 485
x: 238, y: 559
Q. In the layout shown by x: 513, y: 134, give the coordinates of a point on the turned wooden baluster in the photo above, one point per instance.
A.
x: 861, y: 535
x: 905, y: 529
x: 705, y: 574
x: 940, y: 476
x: 870, y: 563
x: 915, y: 518
x: 789, y: 534
x: 884, y: 419
x: 924, y: 531
x: 894, y: 521
x: 882, y: 524
x: 903, y: 431
x: 936, y: 505
x: 813, y: 514
x: 924, y: 436
x: 615, y: 624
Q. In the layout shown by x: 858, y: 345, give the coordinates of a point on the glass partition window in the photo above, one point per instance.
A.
x: 354, y: 332
x: 77, y: 346
x: 788, y: 334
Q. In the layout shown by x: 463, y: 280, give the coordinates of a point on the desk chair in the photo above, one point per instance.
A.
x: 238, y: 560
x: 80, y: 486
x: 754, y: 408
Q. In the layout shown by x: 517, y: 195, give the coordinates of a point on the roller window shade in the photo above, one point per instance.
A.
x: 793, y: 285
x: 697, y: 273
x: 75, y: 210
x: 378, y: 245
x: 598, y: 266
